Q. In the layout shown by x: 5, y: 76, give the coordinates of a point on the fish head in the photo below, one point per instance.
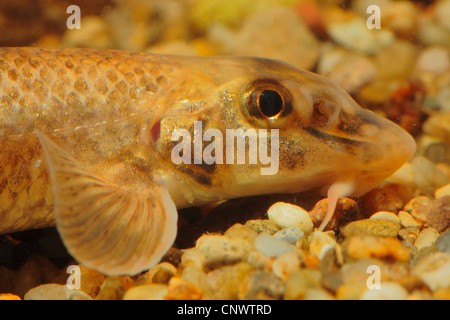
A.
x: 309, y: 133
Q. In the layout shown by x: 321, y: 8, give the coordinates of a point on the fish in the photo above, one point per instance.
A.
x: 108, y: 144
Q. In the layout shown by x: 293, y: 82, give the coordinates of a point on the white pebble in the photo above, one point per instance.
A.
x: 387, y: 291
x: 270, y: 246
x: 434, y: 270
x: 442, y: 192
x: 286, y: 264
x: 385, y: 215
x: 407, y: 220
x: 288, y: 215
x: 426, y: 238
x: 53, y: 291
x: 354, y: 35
x: 290, y: 235
x: 434, y: 59
x: 320, y: 243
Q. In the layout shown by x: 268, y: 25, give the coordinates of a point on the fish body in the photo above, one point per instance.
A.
x: 109, y: 143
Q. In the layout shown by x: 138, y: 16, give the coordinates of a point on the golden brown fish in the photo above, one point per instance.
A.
x: 108, y: 143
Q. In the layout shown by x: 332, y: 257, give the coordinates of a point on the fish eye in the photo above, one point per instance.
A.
x: 270, y: 103
x: 268, y: 100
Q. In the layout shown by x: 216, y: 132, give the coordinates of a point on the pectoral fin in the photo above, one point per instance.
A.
x: 107, y: 227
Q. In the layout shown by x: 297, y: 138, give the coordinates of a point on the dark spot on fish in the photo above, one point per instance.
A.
x: 155, y: 131
x: 291, y: 156
x: 336, y: 142
x: 350, y: 125
x: 200, y: 177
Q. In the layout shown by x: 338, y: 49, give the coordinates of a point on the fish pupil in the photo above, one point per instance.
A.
x: 270, y: 103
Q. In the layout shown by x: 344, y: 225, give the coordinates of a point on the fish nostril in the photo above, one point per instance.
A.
x: 322, y: 112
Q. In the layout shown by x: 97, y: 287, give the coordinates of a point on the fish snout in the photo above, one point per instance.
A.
x: 386, y: 148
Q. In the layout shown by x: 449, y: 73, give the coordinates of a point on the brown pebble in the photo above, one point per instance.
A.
x: 180, y: 289
x: 240, y: 231
x: 263, y: 226
x: 91, y: 281
x: 409, y: 234
x: 111, y: 289
x: 385, y: 198
x: 375, y: 227
x: 346, y: 210
x: 37, y: 270
x: 439, y: 215
x: 262, y: 285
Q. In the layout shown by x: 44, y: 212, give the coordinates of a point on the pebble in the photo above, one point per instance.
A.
x: 346, y: 210
x: 217, y: 251
x: 227, y: 281
x: 443, y: 242
x: 317, y: 294
x: 437, y: 151
x: 299, y: 282
x: 349, y: 70
x: 434, y: 59
x: 419, y: 207
x: 443, y: 12
x: 263, y: 226
x: 95, y: 32
x: 353, y: 34
x: 409, y: 234
x: 111, y: 289
x: 439, y: 215
x: 9, y: 296
x: 53, y: 291
x: 354, y: 272
x: 160, y: 274
x: 426, y: 238
x: 270, y: 246
x: 400, y: 17
x: 290, y: 235
x: 146, y: 292
x: 279, y: 27
x: 34, y: 272
x: 375, y: 227
x: 196, y: 275
x: 262, y: 285
x: 239, y: 231
x: 431, y: 32
x: 427, y: 176
x: 286, y: 264
x: 400, y: 56
x: 443, y: 99
x: 288, y: 215
x: 320, y: 243
x: 434, y: 270
x: 350, y: 291
x: 385, y: 198
x: 360, y: 247
x: 387, y: 291
x: 438, y: 126
x: 407, y: 221
x: 385, y: 215
x: 180, y: 289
